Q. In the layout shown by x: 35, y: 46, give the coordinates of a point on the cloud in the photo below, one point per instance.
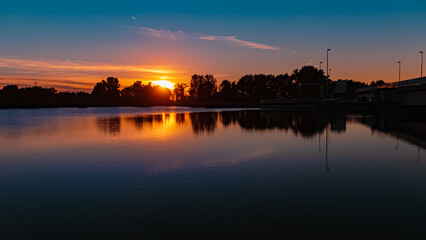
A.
x: 169, y: 35
x: 161, y: 34
x: 238, y: 42
x: 75, y: 74
x: 43, y: 64
x: 30, y: 79
x: 62, y: 85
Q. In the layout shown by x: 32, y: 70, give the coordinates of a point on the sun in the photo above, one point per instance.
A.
x: 164, y: 84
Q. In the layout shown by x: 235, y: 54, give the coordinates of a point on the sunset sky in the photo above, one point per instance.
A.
x: 72, y: 45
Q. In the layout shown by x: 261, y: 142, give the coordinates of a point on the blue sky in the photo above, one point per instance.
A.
x: 225, y: 38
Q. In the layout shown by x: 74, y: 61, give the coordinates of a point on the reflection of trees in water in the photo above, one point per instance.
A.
x: 300, y: 123
x: 228, y: 118
x: 203, y: 122
x: 411, y: 128
x: 180, y: 118
x: 139, y: 121
x: 110, y: 126
x: 338, y: 123
x: 309, y: 124
x: 305, y: 124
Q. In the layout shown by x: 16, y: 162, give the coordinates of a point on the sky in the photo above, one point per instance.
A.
x: 71, y: 45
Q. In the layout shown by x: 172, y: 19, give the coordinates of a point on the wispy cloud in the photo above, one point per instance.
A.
x: 238, y: 42
x: 170, y: 35
x: 161, y: 34
x: 62, y: 85
x: 75, y: 74
x: 41, y: 64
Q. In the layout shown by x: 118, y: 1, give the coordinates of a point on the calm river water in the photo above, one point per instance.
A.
x: 159, y: 172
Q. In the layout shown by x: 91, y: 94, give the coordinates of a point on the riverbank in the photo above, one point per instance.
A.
x: 332, y: 107
x: 201, y: 104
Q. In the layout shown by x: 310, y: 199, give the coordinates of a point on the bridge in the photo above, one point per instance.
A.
x: 410, y: 92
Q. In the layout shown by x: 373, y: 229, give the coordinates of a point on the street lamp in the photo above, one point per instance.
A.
x: 321, y: 90
x: 328, y: 50
x: 421, y: 66
x: 399, y: 74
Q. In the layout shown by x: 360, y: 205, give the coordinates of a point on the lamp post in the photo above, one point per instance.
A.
x: 321, y: 91
x: 328, y: 50
x: 321, y: 85
x: 421, y: 66
x: 399, y: 72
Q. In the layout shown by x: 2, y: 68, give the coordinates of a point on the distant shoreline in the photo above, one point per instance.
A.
x: 203, y: 105
x: 342, y: 108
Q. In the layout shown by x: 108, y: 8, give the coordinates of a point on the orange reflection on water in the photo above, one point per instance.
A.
x: 171, y: 140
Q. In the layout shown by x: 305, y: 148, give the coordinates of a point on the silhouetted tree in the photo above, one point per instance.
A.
x: 107, y: 92
x: 179, y: 92
x: 308, y: 80
x: 110, y: 87
x: 257, y: 87
x: 133, y: 94
x: 99, y: 89
x: 228, y: 91
x: 142, y: 95
x: 155, y: 95
x: 10, y: 89
x: 377, y: 83
x: 246, y: 88
x: 202, y: 87
x: 285, y: 87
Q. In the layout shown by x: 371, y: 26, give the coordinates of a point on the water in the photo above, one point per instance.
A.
x: 171, y: 172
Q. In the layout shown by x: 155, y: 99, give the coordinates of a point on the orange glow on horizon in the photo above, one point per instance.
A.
x: 82, y: 75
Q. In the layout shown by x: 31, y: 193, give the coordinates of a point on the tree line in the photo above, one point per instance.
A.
x: 307, y: 82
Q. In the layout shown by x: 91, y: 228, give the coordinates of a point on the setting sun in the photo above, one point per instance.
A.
x: 164, y: 84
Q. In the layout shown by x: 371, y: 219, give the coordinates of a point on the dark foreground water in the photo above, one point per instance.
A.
x: 130, y: 173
